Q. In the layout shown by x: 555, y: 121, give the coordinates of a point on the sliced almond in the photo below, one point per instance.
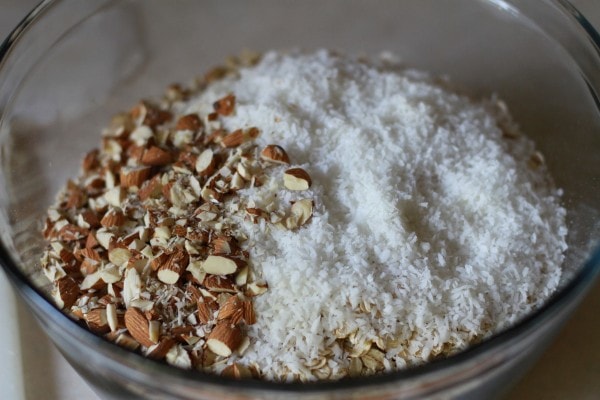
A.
x: 134, y: 176
x: 138, y: 326
x: 221, y: 265
x: 296, y: 179
x: 206, y: 163
x: 275, y: 154
x: 224, y: 338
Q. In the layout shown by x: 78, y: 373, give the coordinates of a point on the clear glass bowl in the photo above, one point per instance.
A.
x: 70, y: 65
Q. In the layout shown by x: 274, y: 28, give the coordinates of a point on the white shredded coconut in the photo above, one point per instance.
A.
x: 432, y: 228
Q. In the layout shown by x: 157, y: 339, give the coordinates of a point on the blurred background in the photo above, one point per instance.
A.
x: 32, y: 368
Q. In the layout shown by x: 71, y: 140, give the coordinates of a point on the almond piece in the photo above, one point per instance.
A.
x: 97, y: 321
x: 275, y: 154
x: 155, y: 156
x: 219, y: 284
x: 159, y: 261
x: 171, y: 270
x: 233, y: 307
x: 302, y: 211
x: 124, y: 340
x: 91, y: 241
x: 93, y: 281
x: 113, y: 218
x: 90, y: 253
x: 206, y: 162
x: 248, y: 310
x: 296, y: 179
x: 234, y: 139
x: 150, y: 189
x: 205, y: 311
x: 224, y: 338
x: 134, y: 176
x: 90, y: 161
x: 256, y: 289
x: 223, y: 245
x: 225, y: 105
x: 220, y: 265
x: 160, y: 350
x: 67, y: 292
x: 236, y: 371
x: 111, y: 317
x: 241, y: 278
x: 90, y: 218
x: 189, y: 122
x: 119, y: 256
x: 71, y: 233
x: 138, y: 326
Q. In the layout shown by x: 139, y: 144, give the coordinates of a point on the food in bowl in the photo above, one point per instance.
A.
x: 304, y: 216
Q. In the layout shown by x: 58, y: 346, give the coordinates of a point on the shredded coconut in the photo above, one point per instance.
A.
x: 435, y: 223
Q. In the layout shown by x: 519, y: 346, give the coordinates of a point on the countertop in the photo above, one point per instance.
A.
x: 33, y: 369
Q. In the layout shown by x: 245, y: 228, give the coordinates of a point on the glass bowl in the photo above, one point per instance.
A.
x: 70, y: 65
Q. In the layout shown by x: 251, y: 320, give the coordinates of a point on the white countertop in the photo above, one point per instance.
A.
x: 32, y: 368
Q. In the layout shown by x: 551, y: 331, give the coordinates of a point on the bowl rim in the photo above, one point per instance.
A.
x: 574, y: 287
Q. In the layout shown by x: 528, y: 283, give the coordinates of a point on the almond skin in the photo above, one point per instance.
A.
x: 224, y: 338
x: 155, y: 156
x: 296, y: 179
x: 138, y: 326
x: 275, y: 154
x: 134, y: 176
x: 233, y: 139
x: 68, y: 291
x: 225, y: 105
x: 189, y: 122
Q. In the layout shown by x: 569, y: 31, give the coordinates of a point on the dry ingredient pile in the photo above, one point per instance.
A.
x: 306, y: 216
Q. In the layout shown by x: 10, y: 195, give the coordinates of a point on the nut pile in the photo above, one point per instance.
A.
x: 144, y: 246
